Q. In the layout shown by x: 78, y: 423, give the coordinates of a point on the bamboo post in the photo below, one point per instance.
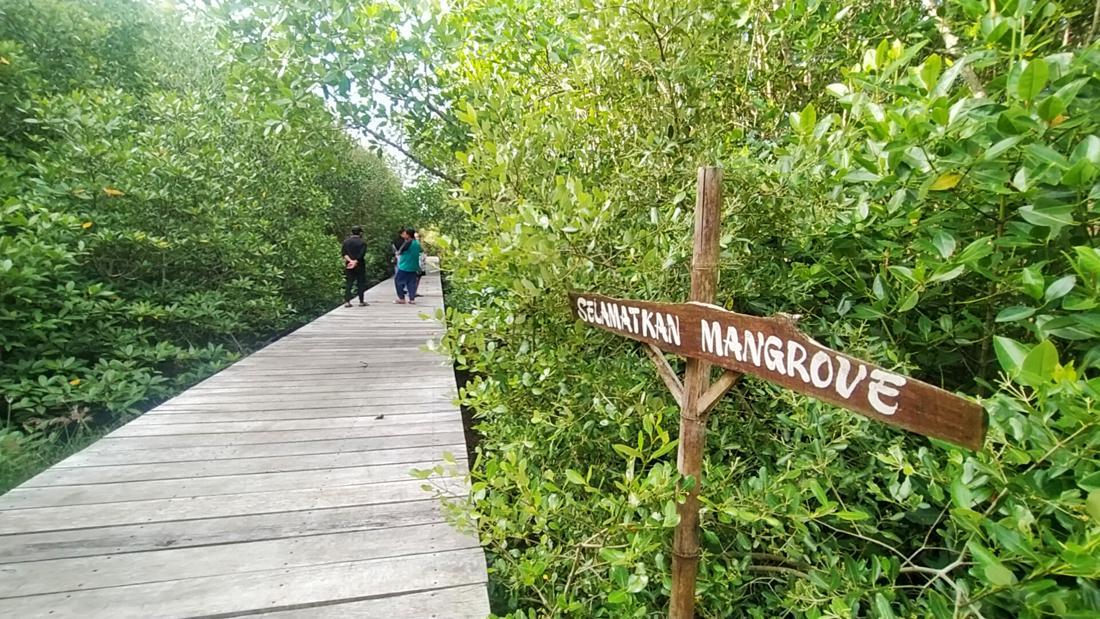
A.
x: 693, y: 422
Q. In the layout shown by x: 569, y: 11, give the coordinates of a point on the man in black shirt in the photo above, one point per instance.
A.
x: 354, y: 250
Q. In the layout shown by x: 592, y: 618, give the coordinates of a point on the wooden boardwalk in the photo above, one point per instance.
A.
x: 279, y: 487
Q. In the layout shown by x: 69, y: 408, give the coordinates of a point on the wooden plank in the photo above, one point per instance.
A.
x: 191, y: 416
x: 773, y: 349
x: 232, y: 560
x: 99, y: 454
x: 376, y: 400
x: 85, y: 542
x: 364, y: 396
x: 152, y: 427
x: 273, y: 589
x: 340, y: 388
x: 107, y: 491
x: 465, y: 602
x: 57, y: 518
x: 209, y: 440
x: 69, y: 476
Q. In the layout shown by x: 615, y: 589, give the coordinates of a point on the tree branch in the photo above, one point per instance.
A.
x: 430, y: 169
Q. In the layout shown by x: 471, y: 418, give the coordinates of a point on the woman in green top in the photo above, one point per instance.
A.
x: 408, y: 265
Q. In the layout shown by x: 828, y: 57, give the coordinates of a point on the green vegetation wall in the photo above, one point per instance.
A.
x: 917, y: 179
x: 164, y: 207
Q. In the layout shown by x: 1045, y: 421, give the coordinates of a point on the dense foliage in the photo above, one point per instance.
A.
x: 165, y: 207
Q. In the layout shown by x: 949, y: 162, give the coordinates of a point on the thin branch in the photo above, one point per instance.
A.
x: 1095, y: 23
x: 430, y: 169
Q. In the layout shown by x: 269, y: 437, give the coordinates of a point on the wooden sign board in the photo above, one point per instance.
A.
x: 774, y: 350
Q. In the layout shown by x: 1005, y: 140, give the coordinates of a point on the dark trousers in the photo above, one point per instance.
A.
x: 359, y: 277
x: 405, y: 281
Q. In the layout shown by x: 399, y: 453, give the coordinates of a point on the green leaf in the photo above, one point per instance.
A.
x: 1010, y: 354
x: 910, y: 302
x: 960, y: 494
x: 995, y: 572
x: 1031, y: 279
x: 976, y: 250
x: 1012, y: 314
x: 664, y: 449
x: 1060, y: 288
x: 947, y: 276
x: 1047, y: 155
x: 1033, y: 79
x: 945, y: 181
x: 1088, y: 259
x: 944, y: 242
x: 636, y: 583
x: 1066, y: 94
x: 852, y: 515
x: 1053, y: 217
x: 861, y: 176
x: 617, y: 597
x: 808, y: 118
x: 1051, y: 107
x: 930, y: 71
x: 575, y: 477
x: 878, y: 288
x: 1038, y: 367
x: 1000, y: 147
x: 1092, y: 505
x: 999, y: 575
x: 627, y: 451
x: 669, y: 517
x: 1088, y: 149
x: 882, y: 607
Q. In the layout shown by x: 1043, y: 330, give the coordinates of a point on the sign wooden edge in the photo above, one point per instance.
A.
x: 772, y: 348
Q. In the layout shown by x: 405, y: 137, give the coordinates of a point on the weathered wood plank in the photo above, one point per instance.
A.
x: 80, y: 574
x: 207, y: 440
x: 85, y: 542
x: 25, y: 497
x: 66, y: 476
x: 359, y: 397
x: 380, y: 399
x: 99, y: 454
x: 192, y: 416
x: 338, y: 389
x: 409, y: 412
x: 152, y: 426
x: 466, y: 602
x: 264, y: 590
x: 57, y: 518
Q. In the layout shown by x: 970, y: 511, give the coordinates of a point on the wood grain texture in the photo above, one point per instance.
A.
x: 282, y: 486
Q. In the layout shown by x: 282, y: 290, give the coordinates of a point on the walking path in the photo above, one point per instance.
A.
x: 279, y: 487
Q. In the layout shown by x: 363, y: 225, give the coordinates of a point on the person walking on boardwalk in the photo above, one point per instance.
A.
x: 354, y: 251
x: 408, y: 265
